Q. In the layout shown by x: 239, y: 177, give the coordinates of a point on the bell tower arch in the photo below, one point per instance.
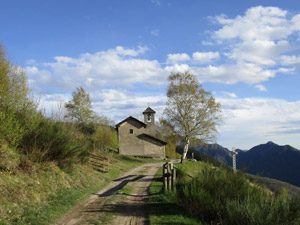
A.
x: 149, y: 119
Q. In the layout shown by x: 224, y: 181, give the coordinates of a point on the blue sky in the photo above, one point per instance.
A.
x: 245, y: 52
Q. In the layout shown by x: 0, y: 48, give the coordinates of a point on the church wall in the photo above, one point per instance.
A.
x: 155, y: 151
x: 129, y: 143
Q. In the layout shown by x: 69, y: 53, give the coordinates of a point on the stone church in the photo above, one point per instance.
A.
x: 136, y: 138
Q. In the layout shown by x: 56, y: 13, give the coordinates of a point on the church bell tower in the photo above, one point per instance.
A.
x: 150, y: 121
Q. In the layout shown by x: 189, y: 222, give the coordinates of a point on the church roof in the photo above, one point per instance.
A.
x: 149, y: 110
x: 131, y: 118
x: 147, y: 136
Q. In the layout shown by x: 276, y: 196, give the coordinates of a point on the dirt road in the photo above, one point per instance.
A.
x: 128, y: 210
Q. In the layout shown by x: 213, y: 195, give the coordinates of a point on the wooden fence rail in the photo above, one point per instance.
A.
x: 169, y: 176
x: 99, y: 163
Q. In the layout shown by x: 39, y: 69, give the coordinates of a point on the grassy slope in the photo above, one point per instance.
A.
x: 162, y: 207
x: 258, y: 208
x: 47, y: 192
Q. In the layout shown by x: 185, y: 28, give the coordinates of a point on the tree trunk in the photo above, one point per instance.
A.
x: 185, y: 150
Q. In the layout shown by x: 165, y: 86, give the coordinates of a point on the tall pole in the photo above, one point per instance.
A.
x: 234, y: 153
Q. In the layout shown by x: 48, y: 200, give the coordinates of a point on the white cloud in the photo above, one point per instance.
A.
x: 253, y: 46
x: 120, y: 50
x: 156, y: 2
x: 260, y: 36
x: 252, y: 121
x: 31, y: 62
x: 205, y: 57
x: 290, y: 60
x: 258, y: 23
x: 118, y: 67
x: 261, y: 87
x: 175, y: 58
x: 296, y: 22
x: 230, y: 74
x: 130, y: 104
x: 177, y: 68
x: 155, y: 32
x: 229, y: 94
x: 114, y: 104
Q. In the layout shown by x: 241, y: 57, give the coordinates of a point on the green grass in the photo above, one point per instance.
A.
x: 220, y: 196
x: 163, y: 209
x: 47, y: 192
x: 192, y: 168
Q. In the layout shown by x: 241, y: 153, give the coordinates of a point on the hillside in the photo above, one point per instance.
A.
x: 219, y: 196
x: 273, y: 161
x: 216, y: 151
x: 44, y: 192
x: 267, y: 160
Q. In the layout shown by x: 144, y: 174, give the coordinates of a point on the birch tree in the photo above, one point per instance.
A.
x: 192, y: 111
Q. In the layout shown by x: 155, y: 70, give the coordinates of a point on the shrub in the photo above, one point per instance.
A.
x: 48, y: 140
x: 223, y: 197
x: 11, y: 130
x: 105, y: 137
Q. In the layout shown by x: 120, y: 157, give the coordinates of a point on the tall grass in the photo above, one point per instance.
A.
x: 223, y: 197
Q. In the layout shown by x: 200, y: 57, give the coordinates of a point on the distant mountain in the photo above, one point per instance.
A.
x: 216, y: 151
x: 268, y: 160
x: 273, y: 161
x: 200, y: 156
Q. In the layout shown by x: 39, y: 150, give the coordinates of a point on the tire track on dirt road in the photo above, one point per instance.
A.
x: 129, y: 211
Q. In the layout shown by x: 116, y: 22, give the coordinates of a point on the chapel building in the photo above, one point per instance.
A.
x: 137, y: 138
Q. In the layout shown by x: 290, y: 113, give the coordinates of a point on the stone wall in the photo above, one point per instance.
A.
x: 154, y: 150
x: 131, y: 143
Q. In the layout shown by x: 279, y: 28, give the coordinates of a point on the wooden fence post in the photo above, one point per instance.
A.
x: 170, y: 180
x: 173, y: 179
x: 169, y: 176
x: 165, y: 178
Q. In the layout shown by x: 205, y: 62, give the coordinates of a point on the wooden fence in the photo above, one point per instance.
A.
x: 169, y: 176
x: 99, y: 163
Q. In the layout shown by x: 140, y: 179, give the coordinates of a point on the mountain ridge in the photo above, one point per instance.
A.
x: 281, y: 162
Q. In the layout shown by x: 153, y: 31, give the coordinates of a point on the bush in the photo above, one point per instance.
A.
x: 105, y: 137
x: 11, y: 130
x: 223, y: 197
x: 48, y: 140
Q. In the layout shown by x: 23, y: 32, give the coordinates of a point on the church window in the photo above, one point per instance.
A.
x: 131, y: 131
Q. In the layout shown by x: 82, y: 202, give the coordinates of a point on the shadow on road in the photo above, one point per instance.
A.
x: 113, y: 190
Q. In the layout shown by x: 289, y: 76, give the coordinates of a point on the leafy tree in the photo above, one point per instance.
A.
x: 16, y: 108
x: 192, y: 111
x: 13, y: 84
x: 166, y: 132
x: 79, y: 110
